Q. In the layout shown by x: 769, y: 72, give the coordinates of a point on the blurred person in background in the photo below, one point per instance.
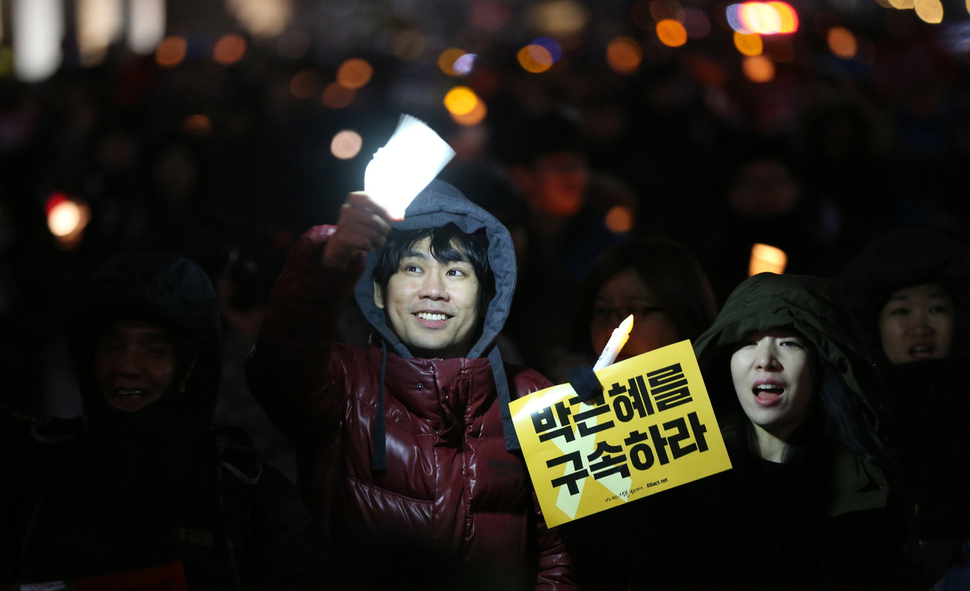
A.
x: 143, y: 487
x: 660, y: 284
x: 910, y: 292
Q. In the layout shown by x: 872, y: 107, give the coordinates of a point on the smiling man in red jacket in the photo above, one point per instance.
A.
x: 407, y: 456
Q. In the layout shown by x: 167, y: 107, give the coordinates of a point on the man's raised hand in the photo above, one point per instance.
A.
x: 362, y: 226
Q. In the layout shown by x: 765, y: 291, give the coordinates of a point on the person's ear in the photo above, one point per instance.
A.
x: 378, y: 296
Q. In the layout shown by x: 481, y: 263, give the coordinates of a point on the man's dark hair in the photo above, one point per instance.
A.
x: 448, y: 244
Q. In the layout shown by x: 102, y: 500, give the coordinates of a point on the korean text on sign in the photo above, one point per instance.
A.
x: 651, y: 428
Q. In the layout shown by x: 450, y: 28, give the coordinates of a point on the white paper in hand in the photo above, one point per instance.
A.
x: 413, y: 156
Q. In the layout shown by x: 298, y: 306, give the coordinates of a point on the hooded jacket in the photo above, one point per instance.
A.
x: 128, y: 491
x: 928, y: 401
x: 452, y: 493
x: 820, y: 521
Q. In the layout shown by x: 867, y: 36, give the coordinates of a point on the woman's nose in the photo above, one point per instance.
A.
x: 767, y: 357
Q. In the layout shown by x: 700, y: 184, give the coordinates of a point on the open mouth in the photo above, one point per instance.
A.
x: 131, y: 393
x: 767, y: 394
x: 922, y: 351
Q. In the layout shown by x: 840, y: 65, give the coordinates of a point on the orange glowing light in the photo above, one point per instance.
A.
x: 337, y: 96
x: 461, y: 100
x: 229, y: 49
x: 535, y: 58
x: 842, y: 42
x: 758, y: 17
x: 354, y: 73
x: 758, y: 68
x: 767, y: 259
x: 929, y: 11
x: 788, y: 16
x: 748, y: 44
x: 197, y: 125
x: 447, y: 59
x: 619, y: 219
x: 66, y: 219
x: 671, y: 33
x: 624, y: 55
x: 171, y: 51
x: 473, y: 117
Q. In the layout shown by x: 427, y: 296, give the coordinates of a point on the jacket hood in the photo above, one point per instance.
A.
x: 814, y: 307
x: 171, y: 292
x: 901, y: 258
x: 437, y: 205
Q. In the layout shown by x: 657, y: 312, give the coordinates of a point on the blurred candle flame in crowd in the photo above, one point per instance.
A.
x: 146, y: 25
x: 66, y: 219
x: 38, y: 28
x: 748, y: 43
x: 624, y: 55
x: 461, y: 100
x: 447, y: 59
x: 337, y: 96
x: 305, y: 84
x: 763, y: 18
x: 354, y: 73
x: 198, y: 125
x: 930, y: 11
x: 346, y: 144
x: 229, y: 49
x: 619, y: 219
x: 671, y: 33
x: 842, y: 42
x: 767, y: 259
x: 171, y: 51
x: 758, y: 68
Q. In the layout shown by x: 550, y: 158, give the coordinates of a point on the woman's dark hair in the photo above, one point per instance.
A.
x: 670, y: 271
x: 448, y: 244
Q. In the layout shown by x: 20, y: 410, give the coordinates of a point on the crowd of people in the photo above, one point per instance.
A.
x: 211, y: 390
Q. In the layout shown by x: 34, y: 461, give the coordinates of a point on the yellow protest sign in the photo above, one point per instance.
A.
x: 651, y: 428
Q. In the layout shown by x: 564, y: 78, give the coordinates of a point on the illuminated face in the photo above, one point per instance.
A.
x: 917, y: 323
x: 134, y: 363
x: 624, y: 294
x: 773, y: 379
x: 432, y: 306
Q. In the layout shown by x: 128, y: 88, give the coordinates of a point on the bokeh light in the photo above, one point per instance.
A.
x: 473, y: 117
x: 262, y: 18
x: 461, y: 100
x: 346, y: 144
x: 66, y: 219
x: 763, y: 18
x: 337, y: 96
x: 779, y: 49
x: 624, y: 55
x: 842, y: 42
x: 788, y: 16
x: 671, y: 33
x: 929, y: 11
x: 198, y: 125
x: 229, y: 49
x: 619, y: 219
x: 447, y: 59
x: 464, y: 65
x: 171, y: 51
x: 535, y: 59
x: 146, y: 25
x: 558, y: 18
x: 748, y: 44
x: 767, y: 259
x: 758, y: 68
x: 555, y: 50
x: 903, y: 4
x: 354, y: 73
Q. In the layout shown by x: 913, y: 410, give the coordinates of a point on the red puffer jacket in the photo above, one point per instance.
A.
x: 451, y: 495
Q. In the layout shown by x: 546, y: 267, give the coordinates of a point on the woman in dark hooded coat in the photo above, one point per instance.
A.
x: 910, y: 293
x: 808, y: 503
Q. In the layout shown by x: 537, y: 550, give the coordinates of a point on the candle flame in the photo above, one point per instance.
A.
x: 627, y: 325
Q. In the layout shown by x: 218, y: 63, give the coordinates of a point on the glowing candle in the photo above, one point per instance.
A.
x: 620, y: 336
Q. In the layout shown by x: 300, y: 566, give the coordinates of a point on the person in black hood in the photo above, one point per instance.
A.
x: 809, y: 503
x: 143, y: 483
x: 910, y: 292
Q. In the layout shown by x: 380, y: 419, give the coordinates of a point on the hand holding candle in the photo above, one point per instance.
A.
x: 620, y: 336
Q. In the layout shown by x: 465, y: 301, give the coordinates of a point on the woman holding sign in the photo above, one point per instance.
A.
x: 808, y: 504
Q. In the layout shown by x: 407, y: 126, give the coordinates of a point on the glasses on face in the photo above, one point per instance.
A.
x: 613, y: 315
